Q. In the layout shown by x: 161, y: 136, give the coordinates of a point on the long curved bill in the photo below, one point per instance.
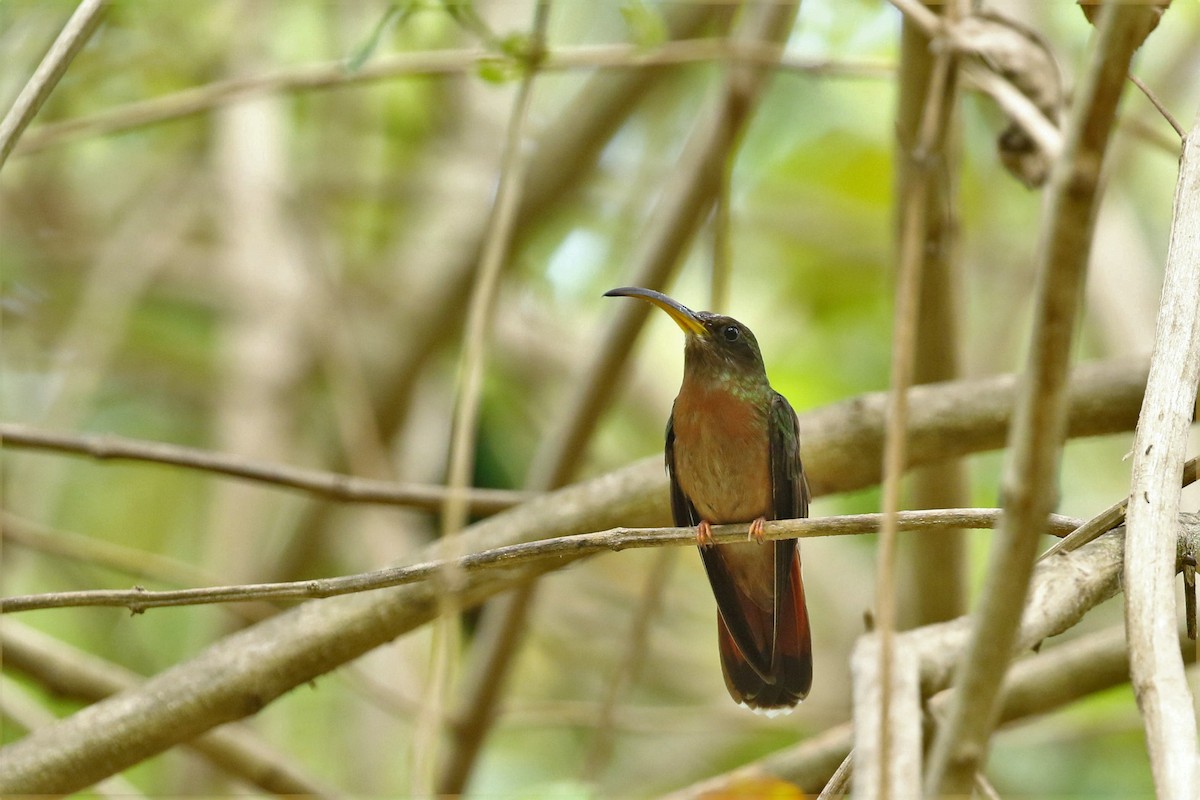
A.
x: 684, y: 317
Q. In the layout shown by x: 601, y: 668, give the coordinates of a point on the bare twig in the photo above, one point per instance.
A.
x: 561, y: 549
x: 1111, y: 517
x: 898, y: 770
x: 497, y: 243
x: 1162, y: 691
x: 985, y: 788
x: 70, y: 41
x: 1158, y: 104
x: 924, y: 167
x: 839, y: 781
x: 960, y: 749
x: 333, y: 486
x: 1017, y: 107
x: 310, y: 77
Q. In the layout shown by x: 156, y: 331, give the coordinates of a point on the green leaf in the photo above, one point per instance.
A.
x: 496, y: 69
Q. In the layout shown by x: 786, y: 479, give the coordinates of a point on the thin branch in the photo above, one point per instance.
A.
x: 70, y: 41
x: 497, y: 243
x: 1017, y: 107
x: 330, y: 485
x: 1158, y: 104
x: 839, y: 781
x: 1163, y: 695
x: 1111, y: 517
x: 937, y: 564
x: 310, y: 77
x: 961, y: 746
x: 560, y: 549
x: 882, y: 768
x: 984, y: 787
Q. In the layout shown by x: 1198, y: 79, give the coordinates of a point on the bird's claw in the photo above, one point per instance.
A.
x: 704, y: 535
x: 757, y: 534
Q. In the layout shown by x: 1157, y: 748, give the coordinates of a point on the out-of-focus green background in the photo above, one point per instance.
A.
x: 257, y: 279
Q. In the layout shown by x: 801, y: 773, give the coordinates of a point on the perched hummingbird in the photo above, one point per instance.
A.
x: 733, y: 455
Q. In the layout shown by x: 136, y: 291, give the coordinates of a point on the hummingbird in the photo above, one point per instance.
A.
x: 733, y: 455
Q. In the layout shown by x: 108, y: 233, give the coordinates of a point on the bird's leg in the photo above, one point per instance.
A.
x: 704, y: 536
x: 756, y: 530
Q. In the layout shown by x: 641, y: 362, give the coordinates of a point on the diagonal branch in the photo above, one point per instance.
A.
x: 1111, y: 517
x: 70, y: 41
x: 497, y: 245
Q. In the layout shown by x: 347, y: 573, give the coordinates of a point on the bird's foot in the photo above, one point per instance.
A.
x: 756, y: 530
x: 704, y: 535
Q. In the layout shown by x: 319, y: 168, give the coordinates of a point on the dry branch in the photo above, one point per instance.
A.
x: 497, y: 244
x: 926, y: 207
x: 547, y: 553
x: 1020, y: 108
x: 70, y: 41
x: 1111, y: 517
x: 330, y: 485
x: 331, y: 75
x: 924, y: 318
x: 1163, y: 695
x: 239, y: 674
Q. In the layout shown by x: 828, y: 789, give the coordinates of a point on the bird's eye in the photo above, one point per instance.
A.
x: 731, y: 333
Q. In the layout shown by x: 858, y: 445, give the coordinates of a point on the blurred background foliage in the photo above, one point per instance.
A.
x: 286, y: 277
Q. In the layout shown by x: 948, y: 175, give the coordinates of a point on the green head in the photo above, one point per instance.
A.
x: 717, y: 346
